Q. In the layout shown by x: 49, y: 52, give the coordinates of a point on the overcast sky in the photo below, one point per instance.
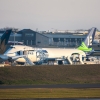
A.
x: 50, y: 14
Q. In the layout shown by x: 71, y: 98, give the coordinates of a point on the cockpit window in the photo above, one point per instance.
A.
x: 18, y: 52
x: 12, y: 47
x: 44, y: 51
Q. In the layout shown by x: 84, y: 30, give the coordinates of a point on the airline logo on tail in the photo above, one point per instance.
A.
x: 84, y: 48
x: 88, y: 41
x: 4, y: 40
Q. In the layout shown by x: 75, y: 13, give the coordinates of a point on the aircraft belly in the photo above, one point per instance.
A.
x: 21, y: 60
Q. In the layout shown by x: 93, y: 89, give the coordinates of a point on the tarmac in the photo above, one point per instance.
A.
x: 51, y: 86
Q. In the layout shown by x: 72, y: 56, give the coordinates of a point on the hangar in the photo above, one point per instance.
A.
x: 33, y: 38
x: 65, y: 39
x: 48, y: 39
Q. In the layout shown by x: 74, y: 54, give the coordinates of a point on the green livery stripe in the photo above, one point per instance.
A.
x: 84, y: 48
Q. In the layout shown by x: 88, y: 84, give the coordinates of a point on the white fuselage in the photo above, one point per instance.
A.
x: 33, y: 55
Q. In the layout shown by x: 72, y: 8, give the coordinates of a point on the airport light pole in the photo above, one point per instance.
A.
x: 14, y: 38
x: 15, y: 32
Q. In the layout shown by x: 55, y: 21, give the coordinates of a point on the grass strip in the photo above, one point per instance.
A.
x: 60, y: 74
x: 49, y: 93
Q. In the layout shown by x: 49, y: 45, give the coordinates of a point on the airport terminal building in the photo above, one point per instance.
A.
x: 46, y: 39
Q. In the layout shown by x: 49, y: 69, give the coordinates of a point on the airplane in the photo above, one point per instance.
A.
x: 3, y: 43
x: 37, y: 55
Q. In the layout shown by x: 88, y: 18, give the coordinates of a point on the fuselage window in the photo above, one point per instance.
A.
x: 31, y: 52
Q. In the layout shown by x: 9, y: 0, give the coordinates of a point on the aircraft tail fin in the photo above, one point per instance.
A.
x: 4, y: 40
x: 88, y: 41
